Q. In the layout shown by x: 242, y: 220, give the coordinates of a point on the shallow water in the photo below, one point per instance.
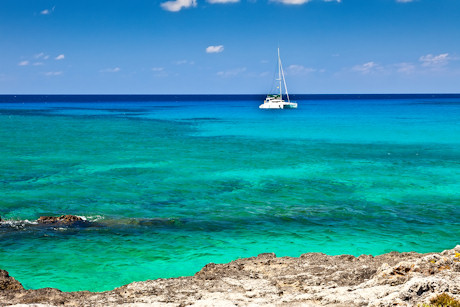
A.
x: 172, y: 186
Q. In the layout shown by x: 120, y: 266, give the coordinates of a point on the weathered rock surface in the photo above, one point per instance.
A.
x: 8, y: 283
x: 63, y: 219
x: 402, y: 279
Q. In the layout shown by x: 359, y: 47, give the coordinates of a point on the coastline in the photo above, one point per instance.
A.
x: 313, y: 279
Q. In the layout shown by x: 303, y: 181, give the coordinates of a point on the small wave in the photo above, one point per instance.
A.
x: 18, y: 224
x: 91, y: 218
x: 15, y: 224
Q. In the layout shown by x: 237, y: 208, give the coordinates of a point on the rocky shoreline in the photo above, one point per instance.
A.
x: 313, y: 279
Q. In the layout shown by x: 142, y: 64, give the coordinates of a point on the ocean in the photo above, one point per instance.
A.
x: 171, y: 183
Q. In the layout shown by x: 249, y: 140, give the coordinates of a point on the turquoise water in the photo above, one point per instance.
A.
x: 171, y: 186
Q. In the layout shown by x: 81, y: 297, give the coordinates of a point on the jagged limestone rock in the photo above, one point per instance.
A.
x: 314, y: 279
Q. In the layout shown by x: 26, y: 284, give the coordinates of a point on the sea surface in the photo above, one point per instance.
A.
x: 171, y: 183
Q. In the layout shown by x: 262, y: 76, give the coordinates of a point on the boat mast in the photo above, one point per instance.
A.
x: 279, y: 74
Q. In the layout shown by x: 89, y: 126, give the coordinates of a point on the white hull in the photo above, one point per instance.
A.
x: 278, y: 105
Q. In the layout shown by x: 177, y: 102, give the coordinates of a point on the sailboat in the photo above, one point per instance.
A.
x: 275, y: 101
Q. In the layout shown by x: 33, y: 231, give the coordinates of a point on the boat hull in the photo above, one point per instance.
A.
x: 278, y: 105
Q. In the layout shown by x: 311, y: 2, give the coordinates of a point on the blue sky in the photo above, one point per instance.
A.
x: 228, y: 46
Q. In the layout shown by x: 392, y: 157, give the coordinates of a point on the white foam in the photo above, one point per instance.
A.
x: 17, y: 223
x: 92, y: 218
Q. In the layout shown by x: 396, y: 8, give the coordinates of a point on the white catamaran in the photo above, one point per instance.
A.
x: 276, y: 101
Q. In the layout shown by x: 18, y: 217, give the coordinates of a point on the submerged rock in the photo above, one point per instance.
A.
x: 313, y: 279
x: 63, y: 219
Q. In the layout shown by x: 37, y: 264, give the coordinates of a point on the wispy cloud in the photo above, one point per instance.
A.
x: 435, y: 61
x: 231, y: 72
x: 299, y: 70
x: 47, y: 11
x: 299, y: 2
x: 215, y: 49
x: 367, y: 68
x: 177, y: 5
x: 405, y: 1
x: 160, y: 72
x: 53, y: 73
x: 405, y: 68
x: 291, y: 2
x: 223, y: 1
x: 426, y: 64
x: 183, y: 62
x: 41, y: 55
x: 40, y: 59
x: 111, y: 70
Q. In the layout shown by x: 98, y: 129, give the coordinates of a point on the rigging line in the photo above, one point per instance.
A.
x: 284, y: 80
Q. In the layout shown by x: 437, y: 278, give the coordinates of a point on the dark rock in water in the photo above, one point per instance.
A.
x: 63, y: 219
x: 8, y: 283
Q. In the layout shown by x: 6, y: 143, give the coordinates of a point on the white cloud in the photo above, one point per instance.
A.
x: 177, y: 5
x: 23, y: 63
x: 404, y: 1
x: 47, y: 11
x: 59, y: 57
x: 405, y: 68
x: 41, y: 55
x: 53, y: 73
x: 231, y: 72
x: 38, y: 64
x: 435, y: 61
x: 223, y: 1
x: 215, y: 49
x: 115, y: 69
x: 367, y: 68
x: 158, y: 69
x: 299, y: 70
x: 299, y: 2
x: 291, y: 2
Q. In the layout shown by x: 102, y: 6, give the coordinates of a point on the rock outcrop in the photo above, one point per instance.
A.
x: 63, y: 219
x: 314, y: 279
x: 8, y: 283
